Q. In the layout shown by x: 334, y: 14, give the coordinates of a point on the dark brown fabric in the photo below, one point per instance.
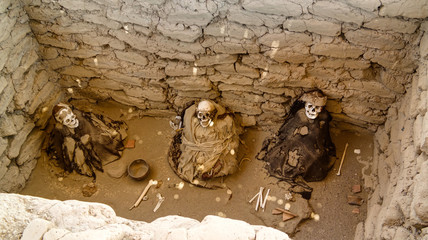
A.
x: 98, y: 140
x: 302, y: 147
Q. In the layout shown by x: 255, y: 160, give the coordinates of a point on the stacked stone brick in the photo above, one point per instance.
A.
x: 27, y: 88
x: 398, y: 206
x: 252, y: 56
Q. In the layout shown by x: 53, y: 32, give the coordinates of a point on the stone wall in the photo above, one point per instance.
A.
x: 26, y: 87
x: 253, y: 56
x: 398, y: 205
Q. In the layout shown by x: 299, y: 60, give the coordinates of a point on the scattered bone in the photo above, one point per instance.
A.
x: 287, y: 206
x: 229, y: 192
x: 356, y: 188
x: 315, y: 216
x: 180, y: 185
x: 341, y: 162
x: 151, y: 183
x: 260, y: 201
x: 357, y: 151
x: 221, y: 214
x: 264, y: 201
x: 160, y: 200
x: 288, y: 196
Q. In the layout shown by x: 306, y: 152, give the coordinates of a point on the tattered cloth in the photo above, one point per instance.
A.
x: 199, y: 154
x: 302, y: 147
x: 97, y: 141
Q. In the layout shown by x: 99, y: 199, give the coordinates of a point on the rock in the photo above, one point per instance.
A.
x: 337, y: 10
x: 31, y: 147
x: 420, y: 194
x: 18, y: 140
x: 275, y: 7
x: 406, y: 8
x: 7, y: 127
x: 116, y: 169
x: 356, y: 188
x: 214, y: 227
x: 89, y: 189
x: 36, y: 229
x: 355, y: 200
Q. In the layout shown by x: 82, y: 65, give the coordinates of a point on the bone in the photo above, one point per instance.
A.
x: 264, y: 201
x: 259, y: 198
x: 151, y: 183
x: 341, y: 162
x: 160, y: 200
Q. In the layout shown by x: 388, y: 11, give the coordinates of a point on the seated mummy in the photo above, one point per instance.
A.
x: 206, y: 147
x: 83, y: 141
x: 302, y: 146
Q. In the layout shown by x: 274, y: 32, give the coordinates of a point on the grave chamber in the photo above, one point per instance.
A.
x: 253, y: 56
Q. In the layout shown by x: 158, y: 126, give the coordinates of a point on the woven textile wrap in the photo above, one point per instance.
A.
x: 209, y: 152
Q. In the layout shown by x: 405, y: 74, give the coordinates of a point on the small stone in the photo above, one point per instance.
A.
x: 355, y: 200
x: 89, y: 189
x: 356, y: 211
x: 356, y: 188
x: 357, y: 151
x: 130, y: 143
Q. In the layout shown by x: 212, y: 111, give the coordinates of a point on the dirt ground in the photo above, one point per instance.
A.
x: 332, y: 216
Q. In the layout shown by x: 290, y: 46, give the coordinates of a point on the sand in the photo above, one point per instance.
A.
x: 326, y: 215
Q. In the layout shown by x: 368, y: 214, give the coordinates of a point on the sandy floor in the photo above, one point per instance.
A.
x: 153, y: 137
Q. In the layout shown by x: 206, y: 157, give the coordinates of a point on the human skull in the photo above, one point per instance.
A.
x: 206, y: 112
x: 314, y: 102
x: 312, y: 111
x: 66, y: 116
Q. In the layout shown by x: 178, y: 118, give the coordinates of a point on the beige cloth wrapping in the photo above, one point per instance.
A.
x: 207, y: 152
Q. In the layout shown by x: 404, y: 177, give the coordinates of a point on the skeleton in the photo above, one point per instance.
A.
x: 205, y: 148
x: 66, y: 116
x: 302, y: 147
x: 205, y: 112
x: 314, y: 103
x: 84, y: 141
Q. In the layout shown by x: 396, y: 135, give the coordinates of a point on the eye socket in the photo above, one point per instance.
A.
x: 310, y: 105
x: 67, y: 120
x: 318, y: 108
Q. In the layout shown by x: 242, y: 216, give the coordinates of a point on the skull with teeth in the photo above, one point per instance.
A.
x: 206, y: 112
x: 65, y: 115
x: 314, y: 102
